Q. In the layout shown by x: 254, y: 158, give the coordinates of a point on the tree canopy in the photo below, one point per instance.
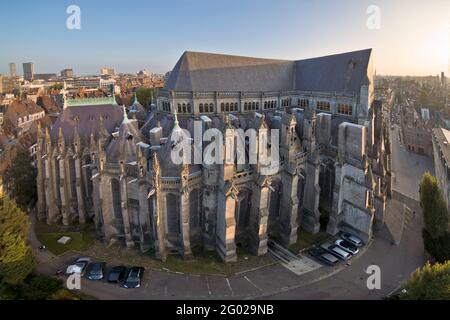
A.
x: 145, y: 96
x: 16, y: 257
x: 433, y: 206
x: 20, y: 180
x: 432, y: 282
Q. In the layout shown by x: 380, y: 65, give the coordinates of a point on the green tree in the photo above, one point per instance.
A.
x: 16, y: 257
x: 20, y: 180
x: 145, y: 96
x: 432, y: 282
x: 433, y: 206
x: 439, y: 248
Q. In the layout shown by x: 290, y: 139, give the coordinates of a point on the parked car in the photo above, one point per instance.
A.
x: 352, y: 238
x: 347, y: 246
x: 336, y: 251
x: 323, y: 256
x: 79, y: 266
x: 117, y: 274
x: 97, y: 271
x: 133, y: 277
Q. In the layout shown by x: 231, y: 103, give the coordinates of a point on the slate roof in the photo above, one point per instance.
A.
x: 88, y: 121
x: 198, y: 71
x: 123, y: 147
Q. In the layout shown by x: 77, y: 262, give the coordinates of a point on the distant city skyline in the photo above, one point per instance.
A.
x: 413, y: 38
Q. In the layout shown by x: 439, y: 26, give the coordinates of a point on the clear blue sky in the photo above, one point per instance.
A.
x: 132, y: 35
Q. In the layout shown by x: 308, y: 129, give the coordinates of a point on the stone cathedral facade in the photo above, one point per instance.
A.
x: 99, y: 163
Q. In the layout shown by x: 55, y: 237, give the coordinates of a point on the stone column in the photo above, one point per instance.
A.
x: 144, y: 217
x: 158, y: 213
x: 50, y: 196
x: 226, y: 224
x: 63, y: 192
x: 80, y: 191
x: 259, y: 217
x: 335, y: 215
x: 158, y: 226
x: 288, y: 209
x: 185, y: 227
x: 310, y: 220
x: 125, y: 213
x: 40, y: 184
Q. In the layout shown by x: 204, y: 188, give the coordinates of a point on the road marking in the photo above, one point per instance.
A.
x: 229, y: 286
x: 252, y: 283
x: 207, y: 285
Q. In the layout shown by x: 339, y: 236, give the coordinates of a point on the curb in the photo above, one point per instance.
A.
x: 285, y: 289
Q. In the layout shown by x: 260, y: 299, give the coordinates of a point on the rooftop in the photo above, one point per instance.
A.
x: 201, y: 72
x: 442, y: 137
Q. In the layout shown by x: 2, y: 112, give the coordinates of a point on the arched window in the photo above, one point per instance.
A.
x: 189, y: 108
x: 200, y: 107
x: 211, y: 107
x: 179, y: 108
x: 245, y: 106
x: 184, y: 108
x: 257, y: 106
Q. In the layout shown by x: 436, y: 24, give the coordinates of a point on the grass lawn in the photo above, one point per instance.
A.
x: 202, y: 262
x: 306, y: 239
x: 81, y: 240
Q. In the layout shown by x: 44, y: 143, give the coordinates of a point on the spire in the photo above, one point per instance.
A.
x: 64, y: 95
x: 125, y: 116
x: 176, y: 124
x: 135, y: 101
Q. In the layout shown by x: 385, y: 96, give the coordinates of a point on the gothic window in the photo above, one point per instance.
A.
x: 117, y: 203
x: 173, y: 214
x: 323, y: 105
x: 303, y: 103
x: 345, y: 109
x: 195, y: 209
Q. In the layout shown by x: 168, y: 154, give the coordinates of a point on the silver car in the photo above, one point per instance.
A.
x: 347, y: 246
x: 352, y: 239
x: 336, y: 251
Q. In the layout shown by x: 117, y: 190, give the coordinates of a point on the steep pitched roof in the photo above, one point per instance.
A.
x: 198, y: 71
x: 344, y: 72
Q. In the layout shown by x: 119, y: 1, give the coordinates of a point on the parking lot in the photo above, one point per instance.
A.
x: 164, y: 284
